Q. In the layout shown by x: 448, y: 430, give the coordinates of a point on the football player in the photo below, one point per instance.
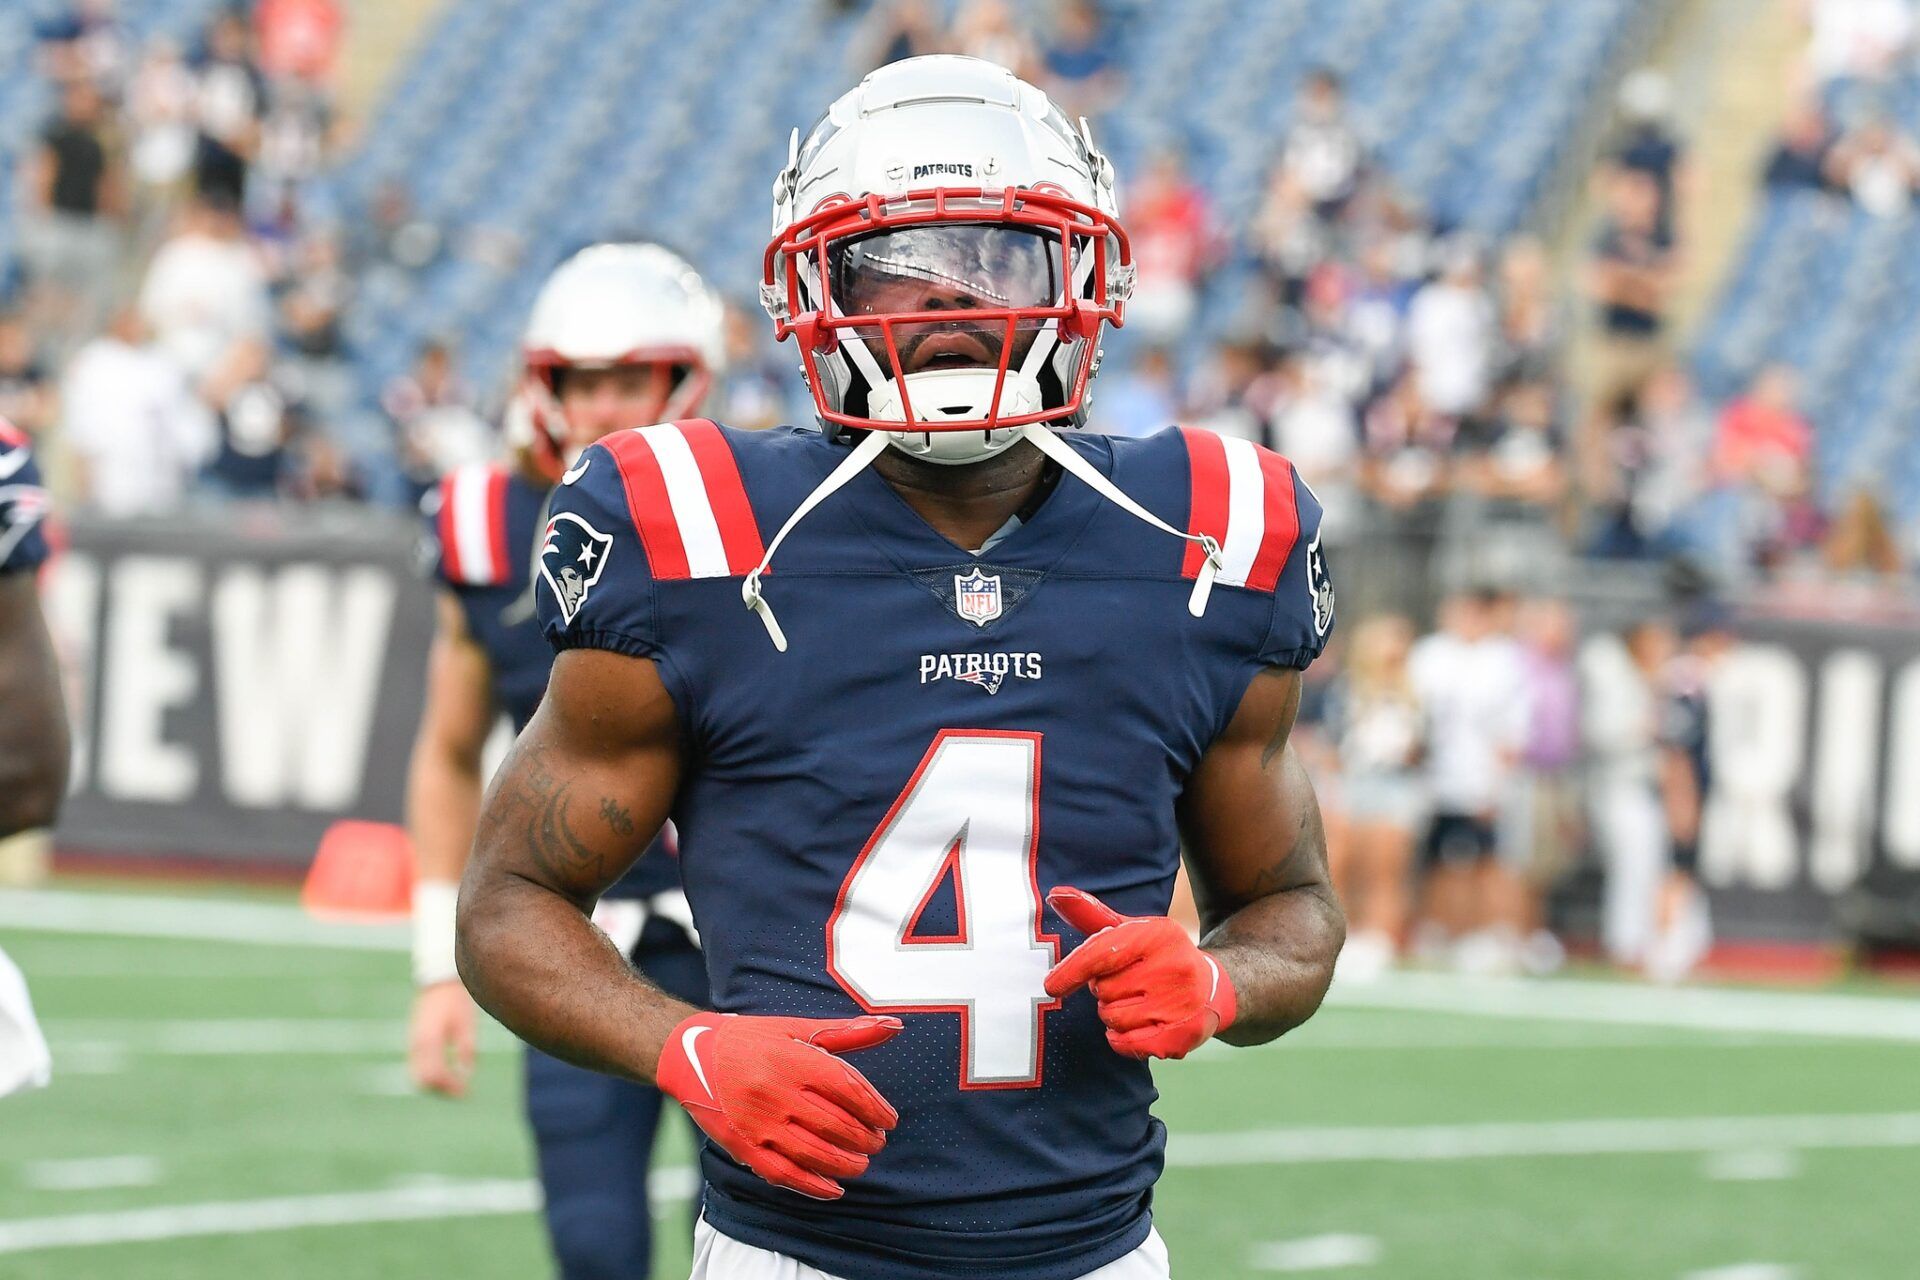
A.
x: 620, y: 336
x: 933, y: 779
x: 33, y: 732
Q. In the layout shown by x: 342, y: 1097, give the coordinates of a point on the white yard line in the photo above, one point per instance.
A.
x: 98, y: 1174
x: 1315, y: 1253
x: 1508, y: 1140
x: 1470, y: 1034
x: 243, y: 1217
x: 1630, y: 1004
x: 189, y: 919
x: 422, y: 1199
x: 222, y: 1037
x: 1761, y: 1164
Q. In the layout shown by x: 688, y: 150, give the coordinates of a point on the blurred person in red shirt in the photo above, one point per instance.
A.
x: 1175, y: 245
x: 298, y: 39
x: 1762, y: 439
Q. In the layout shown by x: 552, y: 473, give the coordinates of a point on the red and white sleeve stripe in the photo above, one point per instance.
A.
x: 473, y: 525
x: 1243, y: 496
x: 687, y: 500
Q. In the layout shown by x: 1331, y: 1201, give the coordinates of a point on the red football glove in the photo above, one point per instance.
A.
x: 771, y: 1093
x: 1160, y: 995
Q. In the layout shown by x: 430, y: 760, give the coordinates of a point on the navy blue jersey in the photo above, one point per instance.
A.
x: 870, y: 820
x: 483, y: 521
x: 23, y: 503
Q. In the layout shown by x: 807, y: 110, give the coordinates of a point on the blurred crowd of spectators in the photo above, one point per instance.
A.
x: 172, y: 274
x: 1467, y: 774
x: 173, y: 329
x: 1423, y: 378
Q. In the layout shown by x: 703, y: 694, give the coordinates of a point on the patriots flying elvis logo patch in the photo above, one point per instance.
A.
x: 573, y: 555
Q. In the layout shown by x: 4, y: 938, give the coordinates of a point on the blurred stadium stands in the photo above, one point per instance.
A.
x: 1833, y: 291
x: 26, y: 97
x: 582, y: 119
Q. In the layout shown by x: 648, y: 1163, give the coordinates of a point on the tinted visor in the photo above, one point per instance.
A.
x: 945, y: 266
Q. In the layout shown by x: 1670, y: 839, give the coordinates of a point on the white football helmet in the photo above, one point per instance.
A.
x: 615, y: 304
x: 946, y: 248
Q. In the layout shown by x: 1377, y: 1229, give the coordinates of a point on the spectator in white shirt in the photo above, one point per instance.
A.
x: 205, y: 300
x: 1471, y: 682
x: 139, y: 432
x: 1857, y: 39
x: 1452, y: 337
x: 1323, y: 152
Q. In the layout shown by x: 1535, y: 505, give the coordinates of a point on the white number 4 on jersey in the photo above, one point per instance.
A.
x: 970, y: 813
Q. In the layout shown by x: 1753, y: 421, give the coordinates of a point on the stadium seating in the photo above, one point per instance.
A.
x: 585, y: 118
x: 26, y: 98
x: 519, y: 132
x: 1834, y: 292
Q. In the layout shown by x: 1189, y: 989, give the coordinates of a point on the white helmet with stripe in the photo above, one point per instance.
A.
x: 610, y: 305
x: 946, y: 249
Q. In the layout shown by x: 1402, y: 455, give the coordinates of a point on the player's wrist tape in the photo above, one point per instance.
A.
x: 433, y: 911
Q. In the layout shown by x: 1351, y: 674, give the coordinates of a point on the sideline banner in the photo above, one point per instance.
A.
x: 241, y: 680
x: 1815, y: 748
x: 238, y: 681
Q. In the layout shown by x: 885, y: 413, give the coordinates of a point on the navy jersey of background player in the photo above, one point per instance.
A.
x: 23, y: 503
x: 482, y: 524
x: 873, y: 817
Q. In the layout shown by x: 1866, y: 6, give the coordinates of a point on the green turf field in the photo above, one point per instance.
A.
x: 250, y: 1099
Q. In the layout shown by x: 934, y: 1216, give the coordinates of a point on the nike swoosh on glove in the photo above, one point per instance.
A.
x: 772, y: 1094
x: 1160, y: 995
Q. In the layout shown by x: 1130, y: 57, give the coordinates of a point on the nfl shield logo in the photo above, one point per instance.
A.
x: 977, y: 597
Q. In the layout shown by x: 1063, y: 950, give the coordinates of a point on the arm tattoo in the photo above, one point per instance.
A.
x: 617, y: 817
x: 560, y: 854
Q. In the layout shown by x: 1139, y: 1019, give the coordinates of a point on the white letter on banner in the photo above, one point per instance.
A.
x: 1846, y: 753
x: 1758, y: 719
x: 143, y: 679
x: 1902, y: 822
x: 298, y: 661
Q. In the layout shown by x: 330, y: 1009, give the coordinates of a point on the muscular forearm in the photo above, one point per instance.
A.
x: 1278, y: 952
x: 563, y: 822
x: 535, y: 962
x: 443, y: 806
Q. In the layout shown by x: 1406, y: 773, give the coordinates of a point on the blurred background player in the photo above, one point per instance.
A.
x: 1624, y: 698
x: 1683, y: 925
x: 33, y: 736
x: 621, y: 336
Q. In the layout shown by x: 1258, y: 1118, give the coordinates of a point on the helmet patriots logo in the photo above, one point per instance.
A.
x: 573, y: 555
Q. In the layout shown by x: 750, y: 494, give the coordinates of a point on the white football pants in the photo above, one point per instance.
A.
x: 24, y: 1062
x: 1630, y: 826
x: 718, y: 1257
